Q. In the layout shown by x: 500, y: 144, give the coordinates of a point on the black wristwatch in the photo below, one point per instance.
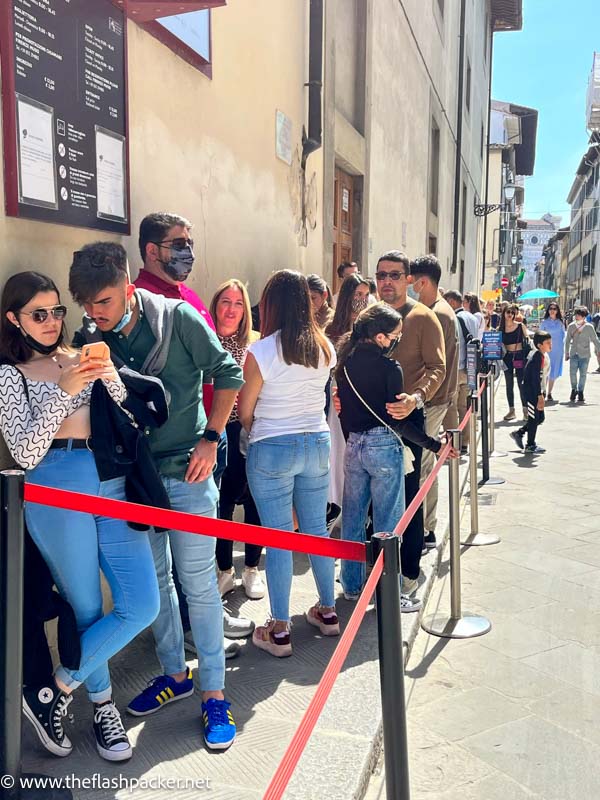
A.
x: 211, y: 435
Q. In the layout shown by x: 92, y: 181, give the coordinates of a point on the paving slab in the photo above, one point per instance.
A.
x: 525, y: 698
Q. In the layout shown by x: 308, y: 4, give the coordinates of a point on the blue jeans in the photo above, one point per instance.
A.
x: 194, y: 557
x: 222, y: 448
x: 373, y: 472
x: 76, y: 547
x: 286, y: 472
x: 578, y: 363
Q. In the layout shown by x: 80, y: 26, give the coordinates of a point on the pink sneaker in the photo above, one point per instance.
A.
x: 277, y: 645
x: 327, y: 623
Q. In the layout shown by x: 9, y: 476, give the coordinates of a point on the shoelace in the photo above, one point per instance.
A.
x: 60, y: 710
x: 156, y: 685
x: 217, y: 712
x: 109, y: 718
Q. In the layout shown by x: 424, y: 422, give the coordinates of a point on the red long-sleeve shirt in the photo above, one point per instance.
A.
x: 179, y: 291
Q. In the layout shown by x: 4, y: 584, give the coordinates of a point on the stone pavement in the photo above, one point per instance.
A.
x: 516, y: 713
x: 269, y: 697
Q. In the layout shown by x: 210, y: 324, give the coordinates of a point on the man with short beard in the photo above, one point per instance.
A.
x: 421, y: 354
x: 167, y: 251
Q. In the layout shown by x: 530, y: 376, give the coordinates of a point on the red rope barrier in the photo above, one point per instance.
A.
x: 192, y: 523
x: 292, y: 755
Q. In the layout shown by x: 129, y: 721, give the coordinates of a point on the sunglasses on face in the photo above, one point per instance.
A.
x: 180, y: 243
x: 393, y: 276
x: 41, y: 314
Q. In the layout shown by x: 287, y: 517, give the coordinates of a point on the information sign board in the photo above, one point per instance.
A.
x: 65, y: 112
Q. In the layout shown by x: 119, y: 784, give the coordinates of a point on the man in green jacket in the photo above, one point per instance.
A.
x: 169, y: 339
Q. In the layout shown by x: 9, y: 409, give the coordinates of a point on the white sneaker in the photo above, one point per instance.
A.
x: 253, y: 584
x: 226, y: 580
x: 236, y: 627
x: 409, y: 604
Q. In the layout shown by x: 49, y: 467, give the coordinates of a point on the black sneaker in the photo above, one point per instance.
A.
x: 111, y: 737
x: 45, y: 708
x: 517, y: 437
x: 573, y: 396
x: 580, y: 397
x: 429, y: 542
x: 534, y: 449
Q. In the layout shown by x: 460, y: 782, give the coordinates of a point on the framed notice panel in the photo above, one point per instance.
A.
x: 64, y: 106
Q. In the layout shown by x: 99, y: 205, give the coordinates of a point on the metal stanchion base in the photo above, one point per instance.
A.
x: 498, y: 454
x: 481, y: 539
x: 43, y: 794
x: 492, y: 482
x: 467, y: 627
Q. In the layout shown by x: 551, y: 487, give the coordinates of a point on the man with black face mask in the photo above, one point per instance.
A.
x: 167, y: 251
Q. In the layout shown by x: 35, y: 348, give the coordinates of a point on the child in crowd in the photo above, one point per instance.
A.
x: 535, y: 377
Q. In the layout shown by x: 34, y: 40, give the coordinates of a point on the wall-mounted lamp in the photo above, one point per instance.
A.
x: 482, y: 209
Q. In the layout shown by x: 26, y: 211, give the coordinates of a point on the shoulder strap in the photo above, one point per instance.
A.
x: 24, y: 379
x: 463, y: 326
x: 368, y: 407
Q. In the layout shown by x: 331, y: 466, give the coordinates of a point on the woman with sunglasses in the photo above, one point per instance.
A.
x: 514, y: 334
x: 45, y: 396
x: 555, y: 326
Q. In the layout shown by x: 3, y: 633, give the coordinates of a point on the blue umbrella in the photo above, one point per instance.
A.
x: 534, y: 294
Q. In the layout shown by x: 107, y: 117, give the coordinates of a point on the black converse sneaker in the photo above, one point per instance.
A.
x: 45, y: 708
x: 111, y: 737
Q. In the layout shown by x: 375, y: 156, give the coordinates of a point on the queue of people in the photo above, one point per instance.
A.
x: 160, y: 399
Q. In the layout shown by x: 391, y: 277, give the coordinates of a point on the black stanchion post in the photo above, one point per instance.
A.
x: 475, y: 537
x: 493, y: 453
x: 486, y: 480
x: 11, y: 642
x: 11, y: 629
x: 391, y: 668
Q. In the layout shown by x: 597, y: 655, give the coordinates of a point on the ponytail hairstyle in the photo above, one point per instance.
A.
x: 378, y: 318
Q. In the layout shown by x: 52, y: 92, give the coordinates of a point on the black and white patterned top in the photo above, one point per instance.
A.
x: 29, y: 426
x: 232, y: 345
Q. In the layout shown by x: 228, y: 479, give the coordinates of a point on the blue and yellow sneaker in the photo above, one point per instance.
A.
x: 159, y: 693
x: 218, y: 724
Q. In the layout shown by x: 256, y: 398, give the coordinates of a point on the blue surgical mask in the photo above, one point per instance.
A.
x: 125, y: 320
x: 180, y: 264
x: 411, y: 292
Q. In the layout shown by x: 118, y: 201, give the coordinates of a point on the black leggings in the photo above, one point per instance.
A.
x: 235, y: 492
x: 412, y: 541
x: 509, y: 376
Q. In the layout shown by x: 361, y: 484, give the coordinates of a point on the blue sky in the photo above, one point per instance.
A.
x: 547, y: 66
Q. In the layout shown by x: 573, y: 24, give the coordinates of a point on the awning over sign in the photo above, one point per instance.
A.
x: 148, y: 10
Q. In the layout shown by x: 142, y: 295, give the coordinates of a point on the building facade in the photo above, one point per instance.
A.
x: 511, y: 158
x: 583, y: 272
x: 296, y: 134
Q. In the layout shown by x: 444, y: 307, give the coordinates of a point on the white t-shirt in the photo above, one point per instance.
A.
x: 292, y: 398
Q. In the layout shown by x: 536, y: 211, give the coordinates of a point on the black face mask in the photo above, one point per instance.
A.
x: 387, y: 351
x: 42, y: 349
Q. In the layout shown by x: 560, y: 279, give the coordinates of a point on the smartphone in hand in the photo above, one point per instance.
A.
x: 95, y: 350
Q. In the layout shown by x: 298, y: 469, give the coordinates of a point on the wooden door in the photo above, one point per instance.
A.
x: 343, y: 213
